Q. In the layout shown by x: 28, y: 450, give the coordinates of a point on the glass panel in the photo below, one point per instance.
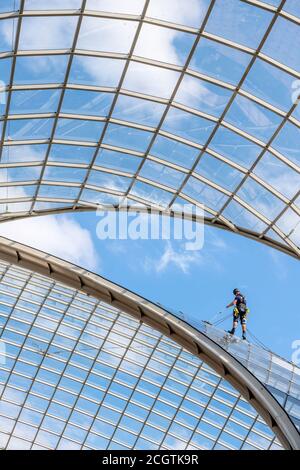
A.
x: 64, y: 174
x: 23, y: 153
x: 174, y: 151
x: 219, y: 172
x: 21, y: 174
x: 96, y: 71
x: 289, y: 223
x: 140, y: 111
x: 71, y: 153
x: 50, y: 206
x: 88, y: 103
x: 253, y: 118
x: 239, y: 22
x: 133, y: 7
x: 161, y: 174
x: 237, y: 214
x: 261, y: 199
x: 118, y: 161
x: 278, y: 174
x: 29, y: 129
x: 15, y: 207
x: 236, y: 148
x: 106, y: 35
x: 190, y: 13
x: 55, y: 5
x: 76, y: 129
x: 40, y: 69
x: 203, y: 96
x: 127, y: 137
x: 166, y: 45
x: 9, y: 5
x: 5, y: 70
x: 150, y: 80
x: 64, y: 192
x: 151, y: 194
x: 270, y: 84
x: 219, y: 61
x: 282, y: 41
x: 293, y: 407
x: 97, y: 197
x: 108, y: 181
x: 287, y: 142
x: 18, y: 192
x: 7, y: 35
x: 205, y: 194
x: 34, y: 101
x: 293, y: 7
x: 47, y: 32
x: 188, y: 126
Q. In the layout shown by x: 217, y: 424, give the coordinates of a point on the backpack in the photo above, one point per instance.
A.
x: 241, y: 304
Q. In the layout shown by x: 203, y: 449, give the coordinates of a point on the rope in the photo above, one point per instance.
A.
x: 215, y: 316
x: 258, y: 342
x: 221, y: 320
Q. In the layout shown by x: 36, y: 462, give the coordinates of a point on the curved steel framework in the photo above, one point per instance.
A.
x: 96, y: 113
x: 191, y: 339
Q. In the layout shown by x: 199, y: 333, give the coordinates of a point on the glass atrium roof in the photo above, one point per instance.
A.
x: 84, y: 363
x: 155, y: 102
x: 79, y: 374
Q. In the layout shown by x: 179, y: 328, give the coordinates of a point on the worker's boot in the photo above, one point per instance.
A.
x: 232, y: 331
x: 244, y: 335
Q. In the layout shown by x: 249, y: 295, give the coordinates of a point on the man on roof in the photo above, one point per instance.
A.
x: 240, y: 312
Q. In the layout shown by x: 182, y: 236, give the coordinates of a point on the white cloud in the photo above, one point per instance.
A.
x: 61, y: 236
x: 188, y: 12
x: 110, y: 35
x: 181, y: 259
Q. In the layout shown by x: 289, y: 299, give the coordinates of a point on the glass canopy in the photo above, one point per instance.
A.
x: 155, y: 101
x: 76, y: 373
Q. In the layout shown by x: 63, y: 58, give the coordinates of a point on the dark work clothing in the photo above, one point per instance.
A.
x: 239, y: 316
x: 240, y: 303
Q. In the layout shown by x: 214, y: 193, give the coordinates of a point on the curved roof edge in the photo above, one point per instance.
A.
x: 160, y: 319
x: 223, y: 223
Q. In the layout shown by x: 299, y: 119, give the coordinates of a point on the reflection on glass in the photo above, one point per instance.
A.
x: 127, y: 137
x: 252, y: 118
x: 35, y: 101
x: 117, y: 161
x: 150, y: 80
x: 188, y: 126
x: 88, y: 103
x: 239, y: 22
x: 203, y: 96
x: 162, y: 174
x: 47, y: 32
x: 166, y: 45
x: 76, y: 129
x: 174, y: 152
x: 219, y: 172
x: 137, y: 110
x: 29, y: 129
x: 219, y: 61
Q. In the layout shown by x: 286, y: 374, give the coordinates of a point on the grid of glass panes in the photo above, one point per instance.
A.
x: 160, y: 102
x: 281, y: 377
x: 76, y: 373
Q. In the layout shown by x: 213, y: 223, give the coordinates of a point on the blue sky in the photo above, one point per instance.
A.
x: 200, y: 283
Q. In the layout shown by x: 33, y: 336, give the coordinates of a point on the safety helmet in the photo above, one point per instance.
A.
x: 235, y: 291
